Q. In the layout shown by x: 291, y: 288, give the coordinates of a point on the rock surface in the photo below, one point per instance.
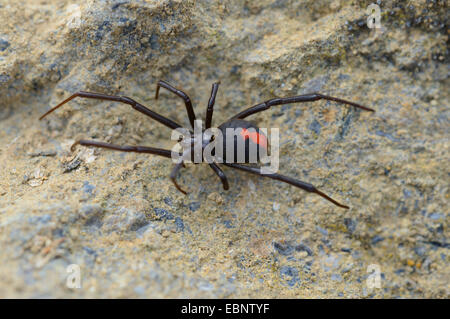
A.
x: 119, y: 218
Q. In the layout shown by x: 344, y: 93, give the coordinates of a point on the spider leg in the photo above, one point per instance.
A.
x: 221, y: 175
x: 295, y: 99
x: 184, y: 96
x: 173, y: 176
x: 210, y: 109
x: 123, y: 99
x: 135, y: 149
x: 297, y: 183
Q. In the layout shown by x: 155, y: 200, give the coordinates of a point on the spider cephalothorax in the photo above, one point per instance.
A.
x: 247, y: 131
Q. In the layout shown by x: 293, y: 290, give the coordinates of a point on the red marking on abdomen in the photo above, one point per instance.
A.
x: 255, y: 137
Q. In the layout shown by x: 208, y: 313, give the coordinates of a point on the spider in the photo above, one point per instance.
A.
x: 236, y: 121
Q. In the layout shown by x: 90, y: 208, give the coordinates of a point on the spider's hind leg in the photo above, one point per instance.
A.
x: 295, y: 99
x: 286, y: 179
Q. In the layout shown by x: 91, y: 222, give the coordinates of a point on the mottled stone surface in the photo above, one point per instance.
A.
x: 133, y: 234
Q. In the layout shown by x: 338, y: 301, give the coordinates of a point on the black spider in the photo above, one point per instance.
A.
x: 234, y: 122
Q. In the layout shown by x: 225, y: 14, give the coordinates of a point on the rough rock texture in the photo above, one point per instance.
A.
x: 133, y: 234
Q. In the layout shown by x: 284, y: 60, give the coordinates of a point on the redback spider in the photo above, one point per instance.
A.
x: 234, y: 122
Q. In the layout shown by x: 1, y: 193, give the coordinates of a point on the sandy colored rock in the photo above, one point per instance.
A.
x: 119, y: 218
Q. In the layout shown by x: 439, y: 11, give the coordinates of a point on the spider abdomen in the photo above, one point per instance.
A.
x: 246, y: 141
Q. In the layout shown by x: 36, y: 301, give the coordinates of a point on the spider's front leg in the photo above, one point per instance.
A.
x: 173, y: 176
x: 210, y: 108
x: 122, y: 99
x: 126, y: 148
x: 184, y: 96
